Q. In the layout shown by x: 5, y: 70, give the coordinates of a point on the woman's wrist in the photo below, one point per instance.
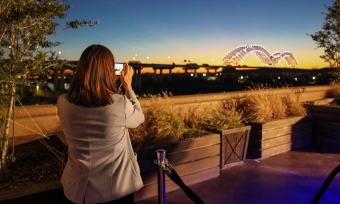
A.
x: 127, y: 87
x: 130, y: 94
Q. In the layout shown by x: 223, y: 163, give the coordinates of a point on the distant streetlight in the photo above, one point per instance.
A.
x: 59, y: 53
x: 10, y: 47
x: 147, y: 58
x: 133, y: 58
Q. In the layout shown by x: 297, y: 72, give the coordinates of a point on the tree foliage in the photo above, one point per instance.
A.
x: 328, y: 37
x: 26, y: 50
x: 25, y: 26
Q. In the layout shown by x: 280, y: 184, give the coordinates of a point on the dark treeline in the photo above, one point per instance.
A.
x: 230, y: 80
x: 47, y: 89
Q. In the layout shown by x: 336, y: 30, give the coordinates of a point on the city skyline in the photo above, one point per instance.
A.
x: 201, y: 31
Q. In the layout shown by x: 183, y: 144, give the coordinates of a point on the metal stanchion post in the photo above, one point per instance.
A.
x: 161, y: 176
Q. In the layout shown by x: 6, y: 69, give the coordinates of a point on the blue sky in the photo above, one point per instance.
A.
x: 201, y: 30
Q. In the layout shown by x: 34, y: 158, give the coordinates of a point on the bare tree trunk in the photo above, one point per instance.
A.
x: 55, y: 80
x: 62, y: 81
x: 6, y: 129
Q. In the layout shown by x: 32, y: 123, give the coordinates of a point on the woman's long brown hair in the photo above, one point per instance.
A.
x: 94, y: 81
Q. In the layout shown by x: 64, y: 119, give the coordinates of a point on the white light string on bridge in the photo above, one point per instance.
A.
x: 236, y: 56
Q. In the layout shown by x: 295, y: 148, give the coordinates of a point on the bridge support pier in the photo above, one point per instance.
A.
x: 154, y: 73
x: 139, y: 78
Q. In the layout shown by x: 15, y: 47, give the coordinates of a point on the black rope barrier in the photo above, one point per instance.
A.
x: 177, y: 179
x: 325, y: 185
x: 164, y: 166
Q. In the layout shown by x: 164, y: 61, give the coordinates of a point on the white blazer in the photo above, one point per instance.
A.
x: 101, y: 164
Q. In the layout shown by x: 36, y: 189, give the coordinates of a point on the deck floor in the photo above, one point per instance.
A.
x: 292, y: 177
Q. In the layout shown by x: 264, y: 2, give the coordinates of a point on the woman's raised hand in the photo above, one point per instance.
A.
x: 126, y: 77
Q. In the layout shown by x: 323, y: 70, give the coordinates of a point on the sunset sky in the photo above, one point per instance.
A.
x: 166, y: 31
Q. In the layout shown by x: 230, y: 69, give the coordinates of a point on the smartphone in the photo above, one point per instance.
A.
x: 118, y: 68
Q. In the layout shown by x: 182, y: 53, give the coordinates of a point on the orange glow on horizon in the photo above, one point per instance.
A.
x: 177, y: 70
x: 305, y: 60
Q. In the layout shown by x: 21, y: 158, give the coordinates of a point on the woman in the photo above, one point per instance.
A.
x: 101, y: 165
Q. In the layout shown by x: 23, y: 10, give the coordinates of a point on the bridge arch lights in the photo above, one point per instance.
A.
x: 235, y: 56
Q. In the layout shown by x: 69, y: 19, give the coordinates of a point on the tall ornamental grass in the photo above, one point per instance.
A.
x: 167, y: 122
x: 334, y: 91
x: 260, y: 105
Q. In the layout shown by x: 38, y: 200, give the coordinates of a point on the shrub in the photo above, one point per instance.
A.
x: 334, y: 91
x: 194, y: 118
x: 225, y: 115
x: 278, y: 106
x: 161, y: 123
x: 259, y: 105
x: 294, y: 106
x: 165, y: 122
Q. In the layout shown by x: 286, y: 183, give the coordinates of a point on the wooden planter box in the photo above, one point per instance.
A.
x: 195, y: 160
x: 234, y: 145
x: 326, y: 128
x: 279, y: 136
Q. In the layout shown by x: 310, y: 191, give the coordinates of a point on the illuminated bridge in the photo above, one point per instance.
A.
x: 234, y: 57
